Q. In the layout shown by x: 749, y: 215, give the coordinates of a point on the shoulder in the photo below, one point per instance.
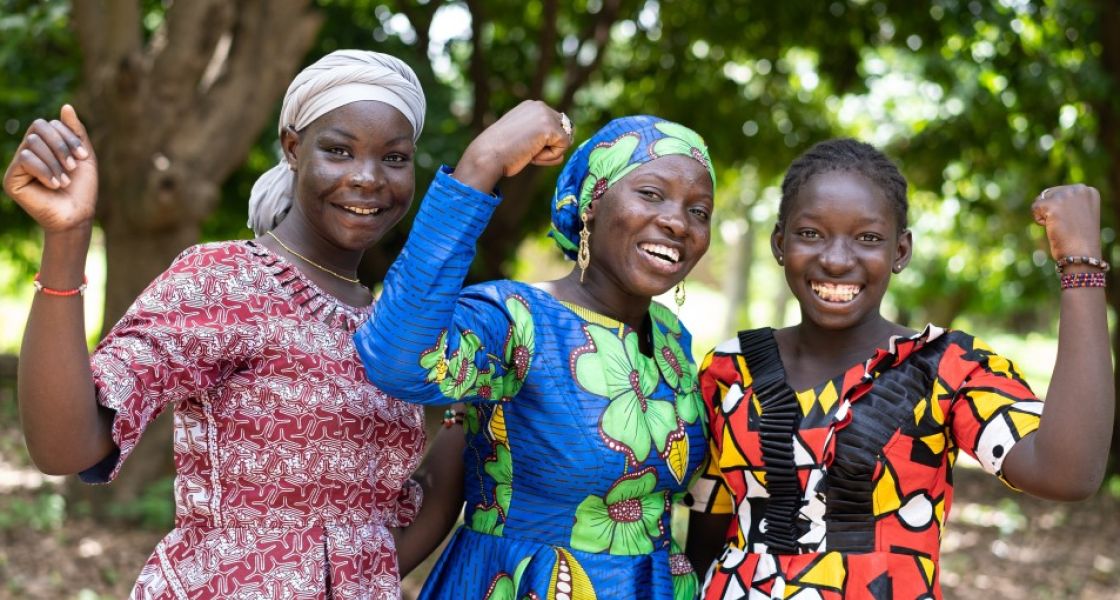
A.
x: 213, y: 254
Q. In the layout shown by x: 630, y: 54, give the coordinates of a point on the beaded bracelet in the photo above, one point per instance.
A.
x: 1098, y: 263
x: 78, y: 291
x: 1080, y: 280
x: 451, y: 417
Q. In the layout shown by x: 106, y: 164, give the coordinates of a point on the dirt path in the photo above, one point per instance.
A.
x: 999, y: 545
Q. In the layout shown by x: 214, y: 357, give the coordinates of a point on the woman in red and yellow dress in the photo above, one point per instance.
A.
x: 832, y: 441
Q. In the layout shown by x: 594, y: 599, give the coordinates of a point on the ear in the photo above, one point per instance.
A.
x: 904, y: 252
x: 289, y: 143
x: 777, y: 238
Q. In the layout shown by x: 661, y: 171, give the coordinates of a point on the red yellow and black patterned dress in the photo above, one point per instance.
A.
x: 842, y: 490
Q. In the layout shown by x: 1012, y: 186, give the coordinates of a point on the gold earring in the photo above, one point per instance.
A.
x: 679, y: 295
x: 583, y: 257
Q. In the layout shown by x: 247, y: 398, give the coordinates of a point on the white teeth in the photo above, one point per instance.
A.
x: 362, y: 211
x: 834, y: 292
x: 662, y: 252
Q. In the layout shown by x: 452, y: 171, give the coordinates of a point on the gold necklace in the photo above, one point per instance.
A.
x: 311, y: 262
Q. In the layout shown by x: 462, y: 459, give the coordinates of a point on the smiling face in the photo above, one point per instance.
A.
x: 840, y: 242
x: 651, y: 227
x: 354, y: 173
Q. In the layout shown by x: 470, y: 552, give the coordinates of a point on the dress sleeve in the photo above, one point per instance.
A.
x: 169, y: 346
x: 709, y: 492
x: 428, y: 341
x: 993, y: 409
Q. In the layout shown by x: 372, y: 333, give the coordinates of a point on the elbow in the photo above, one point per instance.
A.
x: 48, y: 465
x: 1077, y: 488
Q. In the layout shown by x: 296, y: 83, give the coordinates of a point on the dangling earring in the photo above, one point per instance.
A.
x: 679, y: 295
x: 583, y: 257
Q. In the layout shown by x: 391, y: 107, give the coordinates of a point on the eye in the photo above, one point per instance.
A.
x: 339, y: 151
x: 701, y: 213
x: 809, y: 234
x: 397, y: 157
x: 869, y: 237
x: 650, y: 194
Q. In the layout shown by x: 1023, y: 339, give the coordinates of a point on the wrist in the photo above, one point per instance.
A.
x: 64, y: 258
x: 479, y: 172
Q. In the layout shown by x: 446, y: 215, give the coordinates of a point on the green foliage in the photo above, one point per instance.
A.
x: 38, y: 70
x: 153, y: 509
x: 44, y: 512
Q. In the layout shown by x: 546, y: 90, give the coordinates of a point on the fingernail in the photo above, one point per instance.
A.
x: 65, y: 179
x: 71, y: 163
x: 81, y: 152
x: 54, y: 182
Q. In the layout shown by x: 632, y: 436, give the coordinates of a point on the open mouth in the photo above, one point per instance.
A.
x: 361, y: 211
x: 835, y: 292
x: 669, y: 255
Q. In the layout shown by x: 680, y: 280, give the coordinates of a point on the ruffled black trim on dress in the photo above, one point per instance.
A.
x: 877, y: 416
x: 777, y: 422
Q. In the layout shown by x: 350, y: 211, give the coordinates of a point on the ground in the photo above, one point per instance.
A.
x: 999, y: 544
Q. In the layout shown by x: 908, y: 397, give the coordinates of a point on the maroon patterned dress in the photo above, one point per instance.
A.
x: 290, y: 464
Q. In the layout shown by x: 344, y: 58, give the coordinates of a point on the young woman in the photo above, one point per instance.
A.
x: 583, y: 421
x: 832, y: 441
x: 292, y: 469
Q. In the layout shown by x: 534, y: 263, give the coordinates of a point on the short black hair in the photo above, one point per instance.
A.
x: 845, y: 154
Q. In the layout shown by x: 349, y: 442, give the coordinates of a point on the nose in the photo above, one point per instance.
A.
x: 837, y: 257
x: 365, y: 175
x: 673, y: 218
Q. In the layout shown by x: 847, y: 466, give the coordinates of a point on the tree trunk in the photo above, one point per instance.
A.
x: 170, y: 118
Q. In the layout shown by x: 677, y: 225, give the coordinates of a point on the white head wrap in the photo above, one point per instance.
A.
x: 337, y: 79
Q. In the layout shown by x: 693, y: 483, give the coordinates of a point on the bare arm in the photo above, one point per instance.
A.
x: 54, y: 178
x: 1065, y: 458
x: 441, y: 476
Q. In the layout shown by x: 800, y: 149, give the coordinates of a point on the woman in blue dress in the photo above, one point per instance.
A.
x: 583, y: 420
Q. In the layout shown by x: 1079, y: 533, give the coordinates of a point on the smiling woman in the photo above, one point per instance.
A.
x: 832, y: 442
x: 292, y: 468
x: 583, y: 421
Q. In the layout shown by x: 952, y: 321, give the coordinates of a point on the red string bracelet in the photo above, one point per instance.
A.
x: 78, y: 291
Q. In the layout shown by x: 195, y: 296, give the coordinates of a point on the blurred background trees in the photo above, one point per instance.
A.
x: 982, y: 103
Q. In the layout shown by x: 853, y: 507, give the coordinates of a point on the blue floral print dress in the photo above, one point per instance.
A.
x: 578, y: 444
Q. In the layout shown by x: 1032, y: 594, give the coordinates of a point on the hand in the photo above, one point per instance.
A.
x: 53, y: 175
x: 1071, y: 215
x: 531, y: 133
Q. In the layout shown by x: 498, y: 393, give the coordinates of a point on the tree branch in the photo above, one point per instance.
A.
x: 478, y: 72
x: 547, y: 48
x: 191, y: 34
x: 578, y: 74
x: 420, y: 16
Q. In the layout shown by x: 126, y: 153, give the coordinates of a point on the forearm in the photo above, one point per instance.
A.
x: 1066, y: 458
x: 421, y: 290
x: 65, y: 429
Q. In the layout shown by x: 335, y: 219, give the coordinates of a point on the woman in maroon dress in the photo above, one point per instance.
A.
x: 292, y: 468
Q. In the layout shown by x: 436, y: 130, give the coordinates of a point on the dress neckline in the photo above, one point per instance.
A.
x: 320, y: 303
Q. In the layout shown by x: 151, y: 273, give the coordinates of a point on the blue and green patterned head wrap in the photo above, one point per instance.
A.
x: 614, y: 151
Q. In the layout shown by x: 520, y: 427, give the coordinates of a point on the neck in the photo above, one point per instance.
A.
x: 845, y: 345
x: 295, y: 232
x: 602, y: 295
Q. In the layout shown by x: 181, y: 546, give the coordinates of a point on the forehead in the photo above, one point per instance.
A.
x: 842, y: 193
x: 366, y: 118
x: 676, y: 170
